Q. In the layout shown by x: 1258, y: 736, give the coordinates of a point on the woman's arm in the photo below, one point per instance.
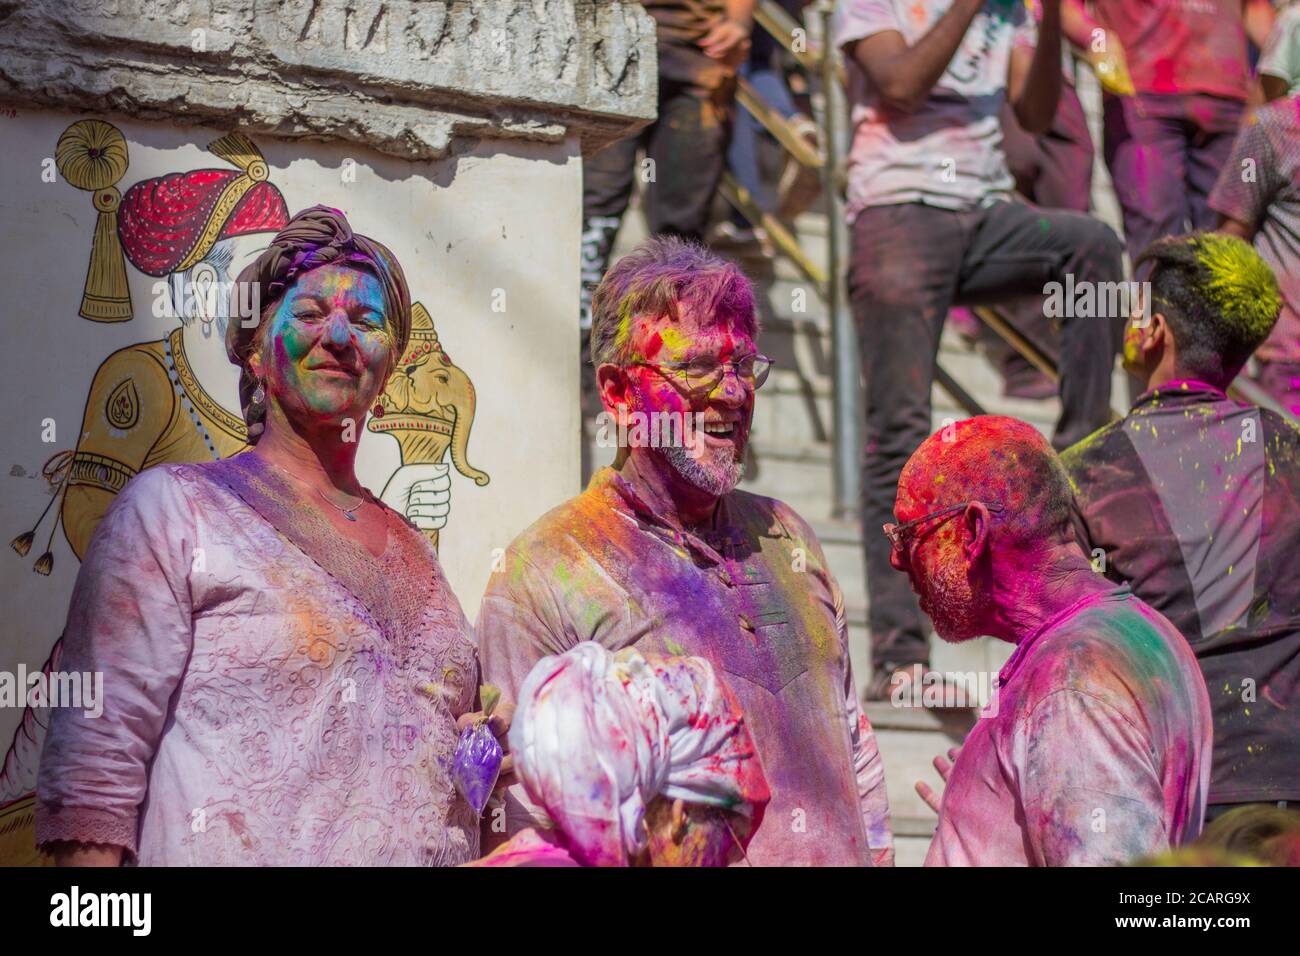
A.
x: 85, y: 854
x: 128, y: 637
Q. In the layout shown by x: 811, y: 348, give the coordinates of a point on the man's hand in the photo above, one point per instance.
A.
x: 728, y: 41
x: 905, y: 75
x: 499, y: 724
x: 932, y: 798
x: 422, y: 492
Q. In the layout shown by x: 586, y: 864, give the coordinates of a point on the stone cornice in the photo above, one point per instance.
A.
x: 404, y: 77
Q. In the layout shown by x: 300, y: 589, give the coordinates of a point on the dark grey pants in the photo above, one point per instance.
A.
x: 910, y: 263
x: 686, y: 150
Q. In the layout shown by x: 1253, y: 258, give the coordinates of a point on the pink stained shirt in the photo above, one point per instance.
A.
x: 1182, y: 46
x: 259, y: 709
x: 1095, y: 750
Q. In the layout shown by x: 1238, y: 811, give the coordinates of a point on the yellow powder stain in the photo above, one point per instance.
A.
x: 673, y: 340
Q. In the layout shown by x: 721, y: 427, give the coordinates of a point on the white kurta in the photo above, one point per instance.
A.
x: 262, y: 706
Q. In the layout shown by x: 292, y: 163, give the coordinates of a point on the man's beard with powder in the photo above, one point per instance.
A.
x: 716, y: 470
x: 951, y: 602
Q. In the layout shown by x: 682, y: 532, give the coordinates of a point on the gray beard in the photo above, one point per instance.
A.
x: 716, y: 476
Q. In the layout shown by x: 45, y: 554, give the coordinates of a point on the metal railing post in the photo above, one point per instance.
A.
x: 846, y: 375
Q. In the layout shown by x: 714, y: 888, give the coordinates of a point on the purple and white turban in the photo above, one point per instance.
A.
x: 597, y: 736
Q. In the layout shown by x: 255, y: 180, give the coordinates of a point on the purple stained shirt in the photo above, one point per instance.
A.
x: 755, y: 598
x: 1094, y: 751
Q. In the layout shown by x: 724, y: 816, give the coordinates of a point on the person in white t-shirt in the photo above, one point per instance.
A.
x: 934, y: 225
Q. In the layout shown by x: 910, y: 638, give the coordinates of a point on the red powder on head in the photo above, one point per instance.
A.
x: 991, y: 459
x: 728, y: 349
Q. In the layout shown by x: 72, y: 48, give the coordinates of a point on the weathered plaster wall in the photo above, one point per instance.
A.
x: 403, y: 77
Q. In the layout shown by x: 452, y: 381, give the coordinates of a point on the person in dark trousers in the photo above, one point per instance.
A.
x: 701, y: 43
x: 1193, y: 500
x: 1166, y: 143
x: 933, y: 225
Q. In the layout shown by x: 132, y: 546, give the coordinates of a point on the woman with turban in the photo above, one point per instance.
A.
x: 283, y: 662
x: 636, y: 760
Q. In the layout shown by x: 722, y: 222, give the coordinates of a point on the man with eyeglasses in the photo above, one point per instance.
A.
x: 662, y: 552
x: 1095, y: 749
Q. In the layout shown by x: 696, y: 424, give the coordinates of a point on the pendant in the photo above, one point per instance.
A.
x: 350, y: 516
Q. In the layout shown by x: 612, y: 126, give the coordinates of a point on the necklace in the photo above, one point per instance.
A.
x: 349, y: 513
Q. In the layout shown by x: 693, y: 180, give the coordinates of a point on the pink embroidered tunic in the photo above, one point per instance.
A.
x: 274, y: 693
x: 1094, y: 752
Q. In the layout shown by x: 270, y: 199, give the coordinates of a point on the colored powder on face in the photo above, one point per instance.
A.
x: 675, y: 342
x: 652, y: 346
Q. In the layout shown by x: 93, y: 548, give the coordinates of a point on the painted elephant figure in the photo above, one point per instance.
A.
x: 428, y: 407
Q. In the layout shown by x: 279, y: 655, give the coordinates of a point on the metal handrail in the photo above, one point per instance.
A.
x: 777, y: 125
x: 958, y: 394
x: 784, y: 240
x: 1009, y: 334
x: 783, y: 28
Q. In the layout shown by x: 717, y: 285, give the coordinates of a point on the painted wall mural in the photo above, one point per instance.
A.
x: 184, y: 234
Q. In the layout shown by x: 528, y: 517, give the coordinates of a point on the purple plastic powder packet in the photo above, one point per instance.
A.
x: 476, y: 765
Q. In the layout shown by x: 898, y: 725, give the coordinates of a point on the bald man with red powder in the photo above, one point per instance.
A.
x: 1095, y: 749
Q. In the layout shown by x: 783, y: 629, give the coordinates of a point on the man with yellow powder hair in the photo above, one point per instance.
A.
x: 1193, y: 499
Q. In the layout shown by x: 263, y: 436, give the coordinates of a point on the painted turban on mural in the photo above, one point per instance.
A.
x: 315, y: 237
x: 169, y: 223
x: 165, y: 224
x: 597, y: 736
